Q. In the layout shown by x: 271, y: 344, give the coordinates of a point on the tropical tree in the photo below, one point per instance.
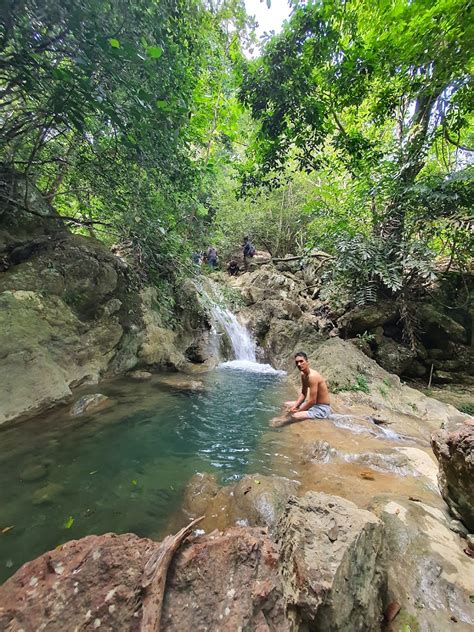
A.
x: 378, y: 94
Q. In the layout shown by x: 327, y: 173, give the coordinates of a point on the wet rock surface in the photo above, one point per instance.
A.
x: 428, y: 573
x: 330, y: 559
x: 88, y: 403
x: 254, y: 500
x: 455, y: 453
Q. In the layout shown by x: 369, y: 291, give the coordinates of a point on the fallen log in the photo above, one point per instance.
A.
x: 154, y: 578
x: 318, y: 253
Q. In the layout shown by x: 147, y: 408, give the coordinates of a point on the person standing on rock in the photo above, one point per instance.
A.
x: 314, y: 405
x: 248, y: 251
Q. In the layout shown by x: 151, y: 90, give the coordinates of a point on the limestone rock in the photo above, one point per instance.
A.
x: 367, y: 317
x: 89, y: 403
x: 159, y: 346
x: 96, y: 582
x: 394, y: 357
x: 455, y: 453
x: 330, y: 557
x: 140, y: 376
x: 428, y: 573
x: 255, y: 500
x: 438, y: 328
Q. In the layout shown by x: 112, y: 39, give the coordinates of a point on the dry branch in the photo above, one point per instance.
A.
x: 154, y: 578
x: 318, y: 253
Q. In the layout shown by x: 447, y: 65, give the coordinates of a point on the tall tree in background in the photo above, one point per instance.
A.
x: 380, y: 91
x: 106, y: 108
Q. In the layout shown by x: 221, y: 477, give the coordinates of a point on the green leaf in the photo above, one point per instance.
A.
x: 154, y: 51
x: 134, y: 482
x: 162, y: 105
x: 114, y: 42
x: 68, y: 523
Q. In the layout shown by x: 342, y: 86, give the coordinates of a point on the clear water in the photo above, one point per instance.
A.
x: 125, y: 468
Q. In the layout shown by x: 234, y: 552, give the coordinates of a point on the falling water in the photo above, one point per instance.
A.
x: 242, y: 344
x: 243, y: 347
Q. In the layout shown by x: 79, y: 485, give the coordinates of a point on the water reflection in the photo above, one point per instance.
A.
x: 125, y: 468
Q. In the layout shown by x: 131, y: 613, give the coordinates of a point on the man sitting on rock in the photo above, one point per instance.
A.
x: 316, y: 406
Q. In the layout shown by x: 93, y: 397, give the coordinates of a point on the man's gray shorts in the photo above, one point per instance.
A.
x: 319, y: 411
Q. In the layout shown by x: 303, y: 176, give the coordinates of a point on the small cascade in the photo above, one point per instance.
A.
x: 242, y: 346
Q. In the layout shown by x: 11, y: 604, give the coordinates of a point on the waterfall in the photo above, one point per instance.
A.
x: 241, y: 343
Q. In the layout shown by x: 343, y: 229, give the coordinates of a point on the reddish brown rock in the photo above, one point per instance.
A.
x: 221, y: 581
x: 88, y: 583
x: 455, y: 453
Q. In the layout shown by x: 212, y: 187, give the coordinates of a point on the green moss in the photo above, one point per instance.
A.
x: 405, y: 622
x: 360, y: 384
x: 468, y: 409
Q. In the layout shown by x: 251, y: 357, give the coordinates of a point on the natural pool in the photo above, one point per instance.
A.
x: 125, y: 468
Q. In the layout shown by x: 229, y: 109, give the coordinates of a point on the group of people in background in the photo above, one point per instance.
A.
x: 211, y: 259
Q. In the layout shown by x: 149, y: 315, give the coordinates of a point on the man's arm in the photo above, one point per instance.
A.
x: 302, y: 397
x: 313, y: 394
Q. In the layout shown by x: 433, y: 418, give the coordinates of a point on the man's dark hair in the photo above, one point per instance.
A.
x: 302, y: 354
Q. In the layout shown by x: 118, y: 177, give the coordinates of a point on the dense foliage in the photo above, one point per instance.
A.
x: 110, y: 107
x: 143, y: 123
x: 377, y: 96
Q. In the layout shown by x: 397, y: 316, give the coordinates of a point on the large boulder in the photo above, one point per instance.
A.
x: 455, y: 453
x: 255, y: 500
x: 393, y: 356
x: 428, y: 574
x: 365, y: 318
x: 437, y: 328
x: 222, y: 581
x: 330, y: 563
x: 226, y: 581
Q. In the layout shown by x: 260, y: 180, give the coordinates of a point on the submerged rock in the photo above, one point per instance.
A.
x: 89, y: 403
x: 330, y: 556
x: 34, y: 472
x: 140, y: 376
x: 47, y: 495
x: 455, y: 453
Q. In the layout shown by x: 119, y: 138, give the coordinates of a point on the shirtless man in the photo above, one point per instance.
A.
x: 316, y: 406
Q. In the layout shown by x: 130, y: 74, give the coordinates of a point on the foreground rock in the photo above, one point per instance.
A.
x: 331, y: 563
x: 455, y: 453
x: 221, y: 581
x: 429, y: 575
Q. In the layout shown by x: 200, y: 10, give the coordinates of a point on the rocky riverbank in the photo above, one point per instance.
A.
x: 351, y: 533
